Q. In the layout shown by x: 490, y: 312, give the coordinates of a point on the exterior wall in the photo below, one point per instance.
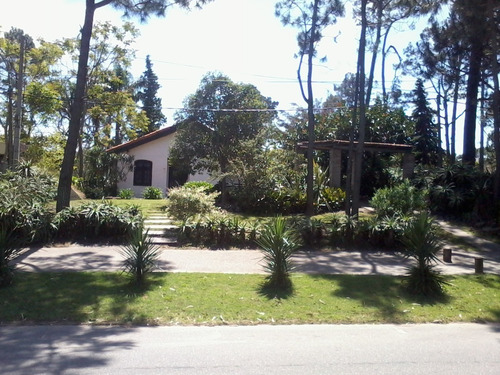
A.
x: 156, y: 151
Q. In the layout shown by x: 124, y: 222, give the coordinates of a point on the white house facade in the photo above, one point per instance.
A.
x: 150, y: 165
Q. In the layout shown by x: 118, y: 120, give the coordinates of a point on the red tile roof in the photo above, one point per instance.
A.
x: 144, y: 139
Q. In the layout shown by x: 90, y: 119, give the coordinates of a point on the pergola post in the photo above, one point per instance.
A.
x: 408, y: 165
x: 335, y: 167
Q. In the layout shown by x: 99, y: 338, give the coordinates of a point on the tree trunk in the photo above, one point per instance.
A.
x: 454, y: 118
x: 438, y: 124
x: 358, y: 160
x: 310, y: 115
x: 76, y: 112
x: 495, y: 69
x: 474, y: 76
x: 483, y: 125
x: 16, y: 144
x: 447, y: 126
x: 10, y: 122
x: 374, y: 52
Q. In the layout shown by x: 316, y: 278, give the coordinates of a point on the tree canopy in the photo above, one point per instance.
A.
x: 216, y: 122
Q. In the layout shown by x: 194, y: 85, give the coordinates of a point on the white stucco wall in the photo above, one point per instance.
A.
x: 156, y: 151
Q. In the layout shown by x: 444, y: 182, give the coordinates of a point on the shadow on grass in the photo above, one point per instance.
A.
x: 73, y: 297
x: 491, y: 282
x: 273, y: 292
x: 384, y: 293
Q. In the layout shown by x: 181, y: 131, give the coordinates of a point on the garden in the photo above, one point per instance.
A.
x: 397, y: 221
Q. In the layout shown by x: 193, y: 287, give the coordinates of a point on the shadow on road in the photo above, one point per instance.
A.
x: 58, y: 349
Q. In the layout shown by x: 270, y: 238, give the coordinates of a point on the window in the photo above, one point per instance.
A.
x: 143, y: 172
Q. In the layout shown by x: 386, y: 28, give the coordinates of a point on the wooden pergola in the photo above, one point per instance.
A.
x: 335, y: 147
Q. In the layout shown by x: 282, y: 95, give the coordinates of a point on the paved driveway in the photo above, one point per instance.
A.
x: 108, y: 258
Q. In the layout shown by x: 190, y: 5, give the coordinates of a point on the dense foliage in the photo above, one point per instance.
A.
x: 24, y: 195
x: 186, y: 202
x: 458, y: 190
x: 96, y: 221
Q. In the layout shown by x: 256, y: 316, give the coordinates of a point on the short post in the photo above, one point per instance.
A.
x: 447, y: 255
x: 478, y: 265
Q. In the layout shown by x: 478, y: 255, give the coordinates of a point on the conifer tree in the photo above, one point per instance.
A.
x: 426, y: 139
x: 147, y: 94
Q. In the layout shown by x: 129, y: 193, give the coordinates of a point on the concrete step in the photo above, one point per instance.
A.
x: 158, y: 217
x: 161, y: 227
x: 158, y: 221
x: 161, y: 230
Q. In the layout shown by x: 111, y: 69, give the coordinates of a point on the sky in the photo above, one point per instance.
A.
x: 239, y: 38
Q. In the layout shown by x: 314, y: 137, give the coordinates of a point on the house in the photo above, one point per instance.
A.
x: 3, y: 155
x: 150, y: 163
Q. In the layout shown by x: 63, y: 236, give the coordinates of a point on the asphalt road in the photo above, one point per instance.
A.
x: 306, y: 349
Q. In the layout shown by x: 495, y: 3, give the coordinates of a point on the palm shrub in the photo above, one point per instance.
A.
x: 343, y: 229
x: 421, y: 243
x: 140, y: 255
x: 311, y: 230
x: 387, y: 230
x: 278, y: 242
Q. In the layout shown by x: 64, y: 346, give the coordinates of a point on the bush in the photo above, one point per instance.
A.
x: 311, y: 230
x: 24, y: 195
x: 96, y: 221
x: 184, y: 203
x: 218, y: 230
x: 344, y: 229
x: 387, y: 231
x: 332, y: 199
x: 458, y: 190
x: 126, y: 194
x: 278, y: 243
x: 402, y: 199
x: 152, y: 192
x: 205, y: 186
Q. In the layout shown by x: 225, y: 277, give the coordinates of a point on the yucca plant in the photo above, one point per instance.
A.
x: 140, y: 255
x: 421, y: 244
x: 278, y: 243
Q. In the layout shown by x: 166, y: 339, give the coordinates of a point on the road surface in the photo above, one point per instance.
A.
x: 304, y: 349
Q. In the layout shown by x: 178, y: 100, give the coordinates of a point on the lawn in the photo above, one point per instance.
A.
x: 214, y: 299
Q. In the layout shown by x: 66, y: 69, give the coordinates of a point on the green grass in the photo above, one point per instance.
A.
x: 214, y: 299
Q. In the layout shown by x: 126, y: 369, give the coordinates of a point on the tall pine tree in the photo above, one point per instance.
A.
x: 426, y: 139
x: 147, y: 89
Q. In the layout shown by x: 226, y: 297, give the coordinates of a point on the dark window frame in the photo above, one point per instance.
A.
x: 143, y: 172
